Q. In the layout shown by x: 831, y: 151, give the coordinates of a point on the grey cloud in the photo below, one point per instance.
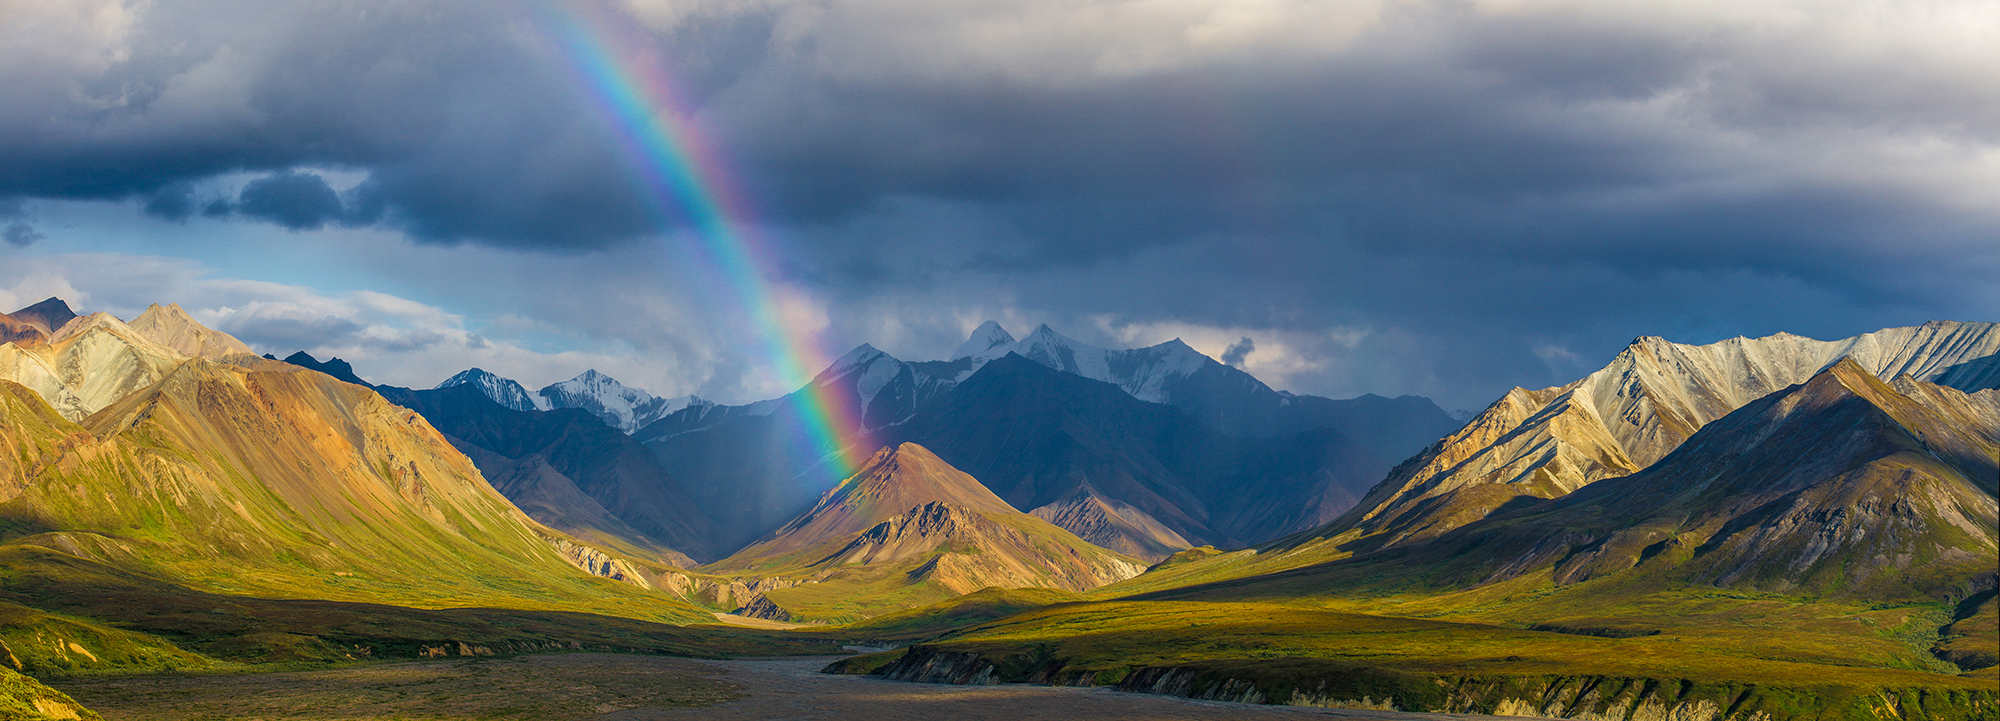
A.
x: 17, y: 232
x: 297, y: 201
x: 20, y: 234
x: 1469, y: 183
x: 1237, y: 351
x: 295, y: 332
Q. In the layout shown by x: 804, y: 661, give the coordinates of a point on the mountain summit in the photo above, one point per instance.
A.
x: 622, y: 407
x: 504, y: 391
x: 907, y: 529
x: 170, y: 326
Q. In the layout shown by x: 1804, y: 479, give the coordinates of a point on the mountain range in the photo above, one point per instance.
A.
x: 1842, y: 487
x: 1542, y: 444
x: 1768, y: 511
x: 169, y: 450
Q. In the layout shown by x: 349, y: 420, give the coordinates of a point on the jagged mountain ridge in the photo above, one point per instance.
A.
x: 89, y: 364
x: 504, y: 391
x: 887, y: 390
x: 705, y: 443
x: 539, y: 457
x: 1843, y: 486
x: 1039, y: 437
x: 622, y: 407
x: 335, y: 367
x: 1655, y: 394
x: 907, y: 524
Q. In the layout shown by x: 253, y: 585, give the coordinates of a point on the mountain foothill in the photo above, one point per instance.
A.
x: 1038, y: 498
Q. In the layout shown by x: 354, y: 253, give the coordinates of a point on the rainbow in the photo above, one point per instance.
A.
x: 686, y: 174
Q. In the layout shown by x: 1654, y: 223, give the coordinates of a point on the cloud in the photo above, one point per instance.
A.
x: 17, y: 231
x: 297, y: 201
x: 1388, y: 195
x: 20, y: 234
x: 1235, y: 353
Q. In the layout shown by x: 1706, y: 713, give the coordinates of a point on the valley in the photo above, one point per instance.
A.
x: 1758, y: 529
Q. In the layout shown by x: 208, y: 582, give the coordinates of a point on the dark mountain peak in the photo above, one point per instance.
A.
x: 332, y: 366
x: 50, y: 315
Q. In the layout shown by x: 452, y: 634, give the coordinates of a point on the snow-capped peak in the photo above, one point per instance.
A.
x: 503, y: 391
x: 984, y: 339
x: 862, y: 356
x: 622, y: 407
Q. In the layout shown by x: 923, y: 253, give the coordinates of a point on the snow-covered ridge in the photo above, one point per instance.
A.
x: 622, y: 407
x: 504, y: 391
x: 1142, y: 372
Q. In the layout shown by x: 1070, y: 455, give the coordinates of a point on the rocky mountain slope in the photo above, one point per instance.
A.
x: 90, y: 363
x: 908, y: 529
x: 887, y: 391
x: 1541, y: 444
x: 1845, y: 488
x: 570, y: 471
x: 170, y: 326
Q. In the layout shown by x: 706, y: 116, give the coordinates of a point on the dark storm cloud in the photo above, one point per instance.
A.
x: 297, y: 201
x: 1462, y: 180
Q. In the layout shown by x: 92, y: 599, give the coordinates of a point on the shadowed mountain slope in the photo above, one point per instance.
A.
x: 1532, y: 445
x: 48, y: 316
x: 909, y: 529
x: 1141, y: 478
x: 549, y: 462
x: 1042, y: 438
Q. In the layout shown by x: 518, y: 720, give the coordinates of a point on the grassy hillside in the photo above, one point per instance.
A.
x: 274, y: 481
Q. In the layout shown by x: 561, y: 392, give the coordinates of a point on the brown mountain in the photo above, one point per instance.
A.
x: 250, y: 476
x: 1540, y: 444
x: 265, y: 478
x: 91, y: 362
x: 910, y: 529
x: 170, y: 326
x: 1844, y: 487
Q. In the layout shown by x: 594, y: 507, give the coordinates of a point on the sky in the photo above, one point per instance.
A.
x: 1444, y: 198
